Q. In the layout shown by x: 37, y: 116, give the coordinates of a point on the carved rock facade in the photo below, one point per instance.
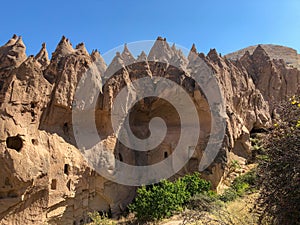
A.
x: 44, y: 178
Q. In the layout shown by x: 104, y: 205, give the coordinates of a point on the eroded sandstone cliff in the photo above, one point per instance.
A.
x: 44, y: 178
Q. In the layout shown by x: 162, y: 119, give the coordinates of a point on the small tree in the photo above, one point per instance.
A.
x: 161, y: 200
x: 280, y: 168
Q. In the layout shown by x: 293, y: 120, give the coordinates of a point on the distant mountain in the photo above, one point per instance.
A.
x: 289, y: 55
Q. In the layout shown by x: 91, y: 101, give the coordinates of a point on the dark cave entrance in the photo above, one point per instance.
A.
x: 14, y: 142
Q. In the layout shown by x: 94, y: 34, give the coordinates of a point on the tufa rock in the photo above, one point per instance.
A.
x: 127, y: 57
x: 42, y: 57
x: 44, y: 178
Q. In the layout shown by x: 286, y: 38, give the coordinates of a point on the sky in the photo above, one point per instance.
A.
x: 227, y: 25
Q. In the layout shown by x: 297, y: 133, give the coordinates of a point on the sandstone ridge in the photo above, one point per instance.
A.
x: 44, y: 178
x: 289, y: 55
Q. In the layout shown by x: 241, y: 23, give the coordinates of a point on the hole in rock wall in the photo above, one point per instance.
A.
x: 256, y: 130
x: 66, y: 128
x: 14, y: 142
x: 66, y: 169
x: 33, y: 116
x: 120, y: 157
x: 165, y: 155
x: 34, y: 141
x: 53, y: 184
x: 1, y: 85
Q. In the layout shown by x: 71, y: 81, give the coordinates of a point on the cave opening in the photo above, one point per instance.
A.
x: 66, y: 169
x: 53, y: 184
x: 14, y: 142
x: 1, y: 85
x: 32, y: 105
x: 257, y: 130
x: 66, y: 128
x: 165, y: 155
x: 120, y: 157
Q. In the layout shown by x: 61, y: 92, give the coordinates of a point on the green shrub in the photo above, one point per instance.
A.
x: 100, y: 220
x: 194, y: 184
x: 279, y: 174
x: 229, y: 195
x: 159, y: 201
x: 248, y: 179
x: 240, y: 185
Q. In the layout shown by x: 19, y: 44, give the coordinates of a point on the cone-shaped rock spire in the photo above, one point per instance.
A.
x: 193, y: 54
x: 63, y: 48
x: 116, y: 64
x: 260, y: 55
x: 42, y: 56
x: 12, y: 41
x: 13, y: 52
x: 178, y: 59
x: 142, y: 57
x: 127, y: 56
x: 213, y: 55
x: 99, y: 61
x: 160, y: 51
x: 80, y: 48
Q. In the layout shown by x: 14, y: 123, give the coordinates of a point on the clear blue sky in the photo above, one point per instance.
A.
x: 226, y: 25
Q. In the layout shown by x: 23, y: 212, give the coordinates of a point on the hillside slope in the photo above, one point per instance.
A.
x: 289, y: 55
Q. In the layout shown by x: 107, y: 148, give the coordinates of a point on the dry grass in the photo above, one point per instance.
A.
x: 238, y: 212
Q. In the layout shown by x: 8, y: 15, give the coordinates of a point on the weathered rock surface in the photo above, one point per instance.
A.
x: 44, y: 178
x: 289, y: 55
x: 272, y: 76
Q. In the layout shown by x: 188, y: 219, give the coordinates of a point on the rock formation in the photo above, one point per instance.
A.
x: 44, y: 178
x: 289, y: 55
x: 272, y: 76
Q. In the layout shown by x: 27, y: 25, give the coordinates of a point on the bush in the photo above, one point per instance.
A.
x: 207, y: 202
x: 245, y: 182
x: 100, y: 220
x: 194, y: 184
x: 280, y: 171
x: 229, y: 195
x: 159, y: 201
x: 241, y: 185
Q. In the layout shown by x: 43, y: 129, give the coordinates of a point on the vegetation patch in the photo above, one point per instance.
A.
x: 163, y: 199
x: 241, y: 185
x: 279, y: 169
